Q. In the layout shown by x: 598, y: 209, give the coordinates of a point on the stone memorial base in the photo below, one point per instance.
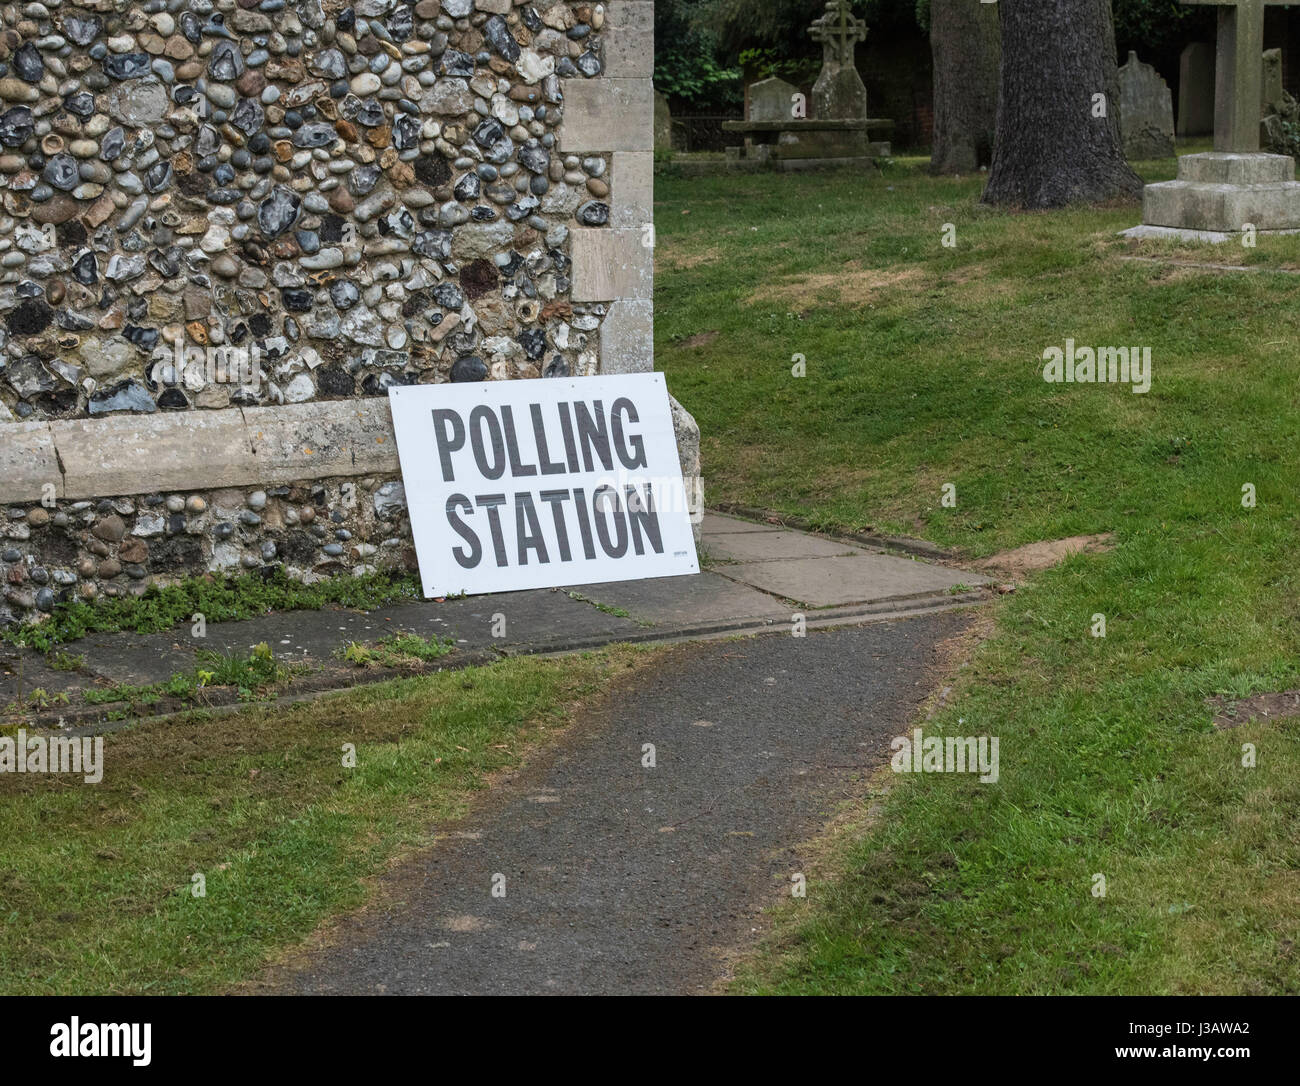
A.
x: 810, y: 144
x: 1219, y: 194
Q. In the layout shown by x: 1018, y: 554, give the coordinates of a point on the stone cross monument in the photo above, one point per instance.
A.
x: 1235, y: 187
x: 839, y: 31
x: 1237, y: 84
x: 839, y: 91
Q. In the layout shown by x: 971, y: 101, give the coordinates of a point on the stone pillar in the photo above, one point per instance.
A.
x: 1238, y: 78
x: 615, y: 263
x: 663, y: 123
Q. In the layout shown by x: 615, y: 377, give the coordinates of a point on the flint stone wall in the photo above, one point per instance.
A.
x: 333, y: 198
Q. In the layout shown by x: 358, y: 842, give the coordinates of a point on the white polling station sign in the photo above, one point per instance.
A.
x: 541, y: 483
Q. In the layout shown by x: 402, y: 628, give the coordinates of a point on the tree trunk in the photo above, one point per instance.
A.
x: 967, y: 49
x: 1057, y: 138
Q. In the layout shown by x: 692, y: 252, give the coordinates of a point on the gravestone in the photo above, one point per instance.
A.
x: 1146, y: 111
x: 1270, y: 91
x: 1235, y: 187
x: 663, y: 124
x: 1281, y: 111
x: 771, y: 100
x: 1196, y: 90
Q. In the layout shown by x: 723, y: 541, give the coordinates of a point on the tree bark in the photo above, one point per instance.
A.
x: 966, y: 44
x: 1056, y: 143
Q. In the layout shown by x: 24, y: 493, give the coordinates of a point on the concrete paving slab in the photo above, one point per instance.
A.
x: 137, y: 659
x: 775, y: 546
x: 299, y: 635
x: 721, y: 524
x: 22, y: 671
x: 543, y: 616
x: 701, y: 600
x: 831, y: 582
x: 765, y: 567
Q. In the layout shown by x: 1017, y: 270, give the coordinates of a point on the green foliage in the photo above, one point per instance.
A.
x: 617, y: 612
x: 217, y: 599
x: 768, y: 63
x: 1284, y: 139
x: 1159, y: 28
x: 357, y: 653
x: 698, y: 78
x: 783, y: 24
x: 1281, y: 133
x: 246, y: 674
x: 689, y: 65
x: 397, y: 650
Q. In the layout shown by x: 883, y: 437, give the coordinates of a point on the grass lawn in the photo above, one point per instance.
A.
x: 924, y: 367
x: 96, y: 883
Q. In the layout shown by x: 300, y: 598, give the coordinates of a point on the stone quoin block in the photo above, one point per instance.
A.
x: 633, y: 206
x: 627, y: 341
x: 630, y: 42
x: 611, y: 264
x: 607, y: 115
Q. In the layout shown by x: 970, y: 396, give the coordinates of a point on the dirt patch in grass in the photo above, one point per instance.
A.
x: 674, y: 261
x: 978, y: 283
x: 1275, y: 705
x: 853, y: 285
x: 1033, y: 557
x: 702, y: 339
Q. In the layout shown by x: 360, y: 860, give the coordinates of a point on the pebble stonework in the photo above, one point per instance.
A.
x: 229, y: 226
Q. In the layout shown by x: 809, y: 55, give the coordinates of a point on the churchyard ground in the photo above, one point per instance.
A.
x: 924, y: 367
